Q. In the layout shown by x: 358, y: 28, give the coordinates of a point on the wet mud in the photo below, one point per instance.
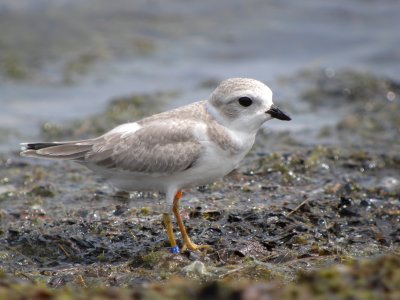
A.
x: 305, y: 220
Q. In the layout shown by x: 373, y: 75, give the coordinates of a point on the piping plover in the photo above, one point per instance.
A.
x: 189, y: 146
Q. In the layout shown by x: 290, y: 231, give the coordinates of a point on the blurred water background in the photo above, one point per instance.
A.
x: 62, y: 60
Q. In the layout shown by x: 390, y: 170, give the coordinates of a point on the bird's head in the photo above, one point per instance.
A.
x: 244, y: 104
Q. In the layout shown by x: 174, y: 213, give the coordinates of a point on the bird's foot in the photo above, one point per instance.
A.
x: 189, y: 245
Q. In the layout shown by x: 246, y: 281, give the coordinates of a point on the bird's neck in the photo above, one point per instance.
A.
x: 241, y: 139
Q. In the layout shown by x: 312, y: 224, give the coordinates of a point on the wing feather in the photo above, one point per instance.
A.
x: 156, y: 148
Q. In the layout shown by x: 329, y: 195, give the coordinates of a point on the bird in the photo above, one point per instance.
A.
x: 192, y: 145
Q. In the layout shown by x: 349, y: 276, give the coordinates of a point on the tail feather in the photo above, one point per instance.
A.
x: 75, y: 150
x: 38, y: 146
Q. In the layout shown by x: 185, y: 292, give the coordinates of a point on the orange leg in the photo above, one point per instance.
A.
x: 168, y: 227
x: 187, y: 243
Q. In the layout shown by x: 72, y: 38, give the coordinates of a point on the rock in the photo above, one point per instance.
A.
x: 196, y: 269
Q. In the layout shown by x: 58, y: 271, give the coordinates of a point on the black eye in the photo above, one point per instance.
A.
x: 245, y: 101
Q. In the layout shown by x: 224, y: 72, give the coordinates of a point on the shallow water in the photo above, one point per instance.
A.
x: 79, y: 57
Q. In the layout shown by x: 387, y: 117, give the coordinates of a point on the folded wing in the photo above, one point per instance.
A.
x: 156, y: 148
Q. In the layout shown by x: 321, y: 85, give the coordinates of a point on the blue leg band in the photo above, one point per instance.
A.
x: 174, y: 249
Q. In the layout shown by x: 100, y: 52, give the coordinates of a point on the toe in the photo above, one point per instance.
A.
x: 193, y: 247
